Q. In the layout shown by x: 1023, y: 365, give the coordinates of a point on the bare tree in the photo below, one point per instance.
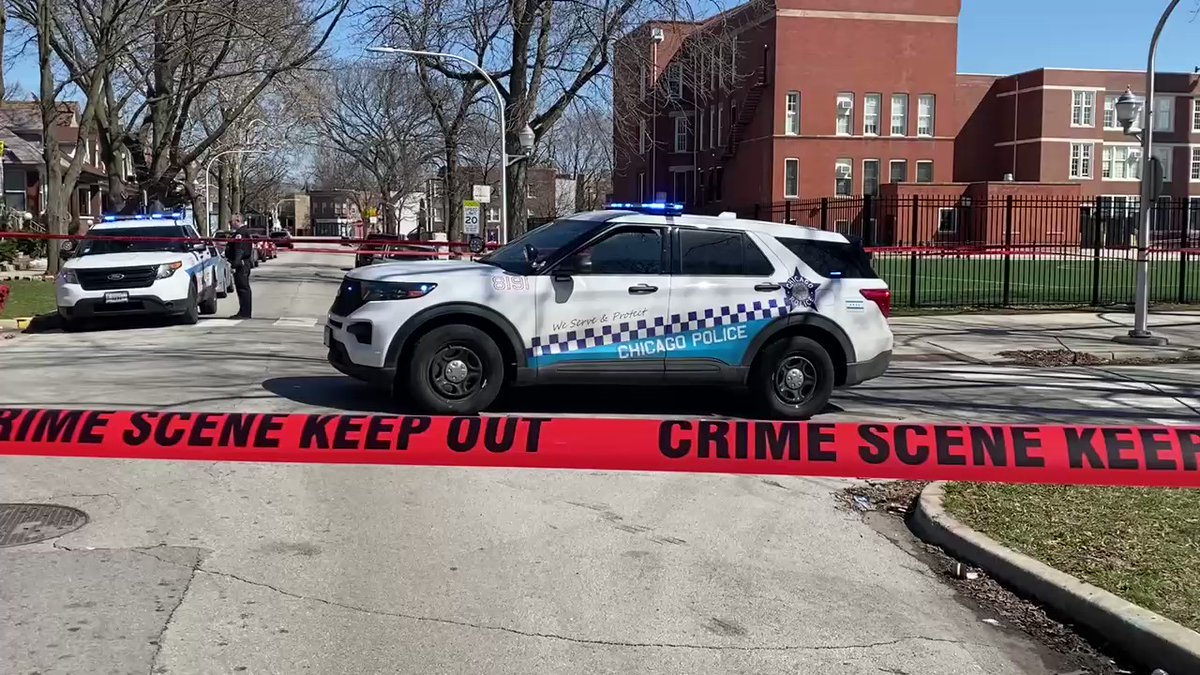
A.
x: 377, y: 116
x: 581, y: 147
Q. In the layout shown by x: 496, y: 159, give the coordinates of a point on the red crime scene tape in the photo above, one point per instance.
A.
x: 1080, y: 455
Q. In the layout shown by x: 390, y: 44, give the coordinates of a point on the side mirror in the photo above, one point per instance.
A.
x: 199, y: 247
x: 570, y: 267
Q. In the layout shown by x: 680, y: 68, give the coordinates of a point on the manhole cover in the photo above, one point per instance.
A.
x: 28, y: 523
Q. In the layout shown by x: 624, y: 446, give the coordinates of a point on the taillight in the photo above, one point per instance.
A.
x: 881, y: 297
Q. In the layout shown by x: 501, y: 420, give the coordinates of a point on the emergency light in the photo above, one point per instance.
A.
x: 142, y: 216
x: 648, y: 207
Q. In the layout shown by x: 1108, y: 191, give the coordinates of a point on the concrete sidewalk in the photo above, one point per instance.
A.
x: 979, y: 338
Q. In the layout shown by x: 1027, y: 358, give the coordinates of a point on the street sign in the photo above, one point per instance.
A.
x: 482, y: 194
x: 471, y: 218
x: 475, y: 245
x: 2, y: 150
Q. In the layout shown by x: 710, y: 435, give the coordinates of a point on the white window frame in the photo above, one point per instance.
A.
x: 733, y: 53
x: 901, y: 115
x: 1083, y: 108
x: 871, y: 119
x: 1086, y: 156
x: 843, y: 161
x: 791, y: 113
x: 674, y: 81
x: 917, y: 172
x: 892, y: 170
x: 720, y: 128
x: 712, y: 126
x: 1164, y: 109
x: 1195, y: 163
x: 681, y: 127
x: 1110, y: 113
x: 641, y: 186
x: 642, y: 78
x: 788, y: 163
x: 1130, y: 170
x: 1166, y: 156
x: 952, y: 210
x: 642, y: 137
x: 1196, y: 115
x: 878, y: 175
x: 847, y: 117
x: 700, y: 146
x: 926, y: 110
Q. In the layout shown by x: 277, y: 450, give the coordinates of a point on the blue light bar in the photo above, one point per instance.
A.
x: 648, y: 207
x: 142, y: 216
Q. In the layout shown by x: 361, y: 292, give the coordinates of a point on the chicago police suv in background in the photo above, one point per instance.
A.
x: 140, y: 273
x: 628, y: 295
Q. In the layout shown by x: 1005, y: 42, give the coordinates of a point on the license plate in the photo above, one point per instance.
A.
x: 328, y: 336
x: 117, y: 296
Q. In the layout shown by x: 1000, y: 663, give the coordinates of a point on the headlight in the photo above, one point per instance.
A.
x: 393, y: 290
x: 167, y: 269
x: 67, y: 276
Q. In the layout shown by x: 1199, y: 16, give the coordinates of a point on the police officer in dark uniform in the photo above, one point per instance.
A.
x: 238, y: 252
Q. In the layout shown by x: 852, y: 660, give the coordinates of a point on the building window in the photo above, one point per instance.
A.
x: 871, y: 105
x: 1081, y: 160
x: 925, y: 171
x: 899, y: 114
x: 791, y: 178
x: 642, y: 138
x: 1164, y: 154
x: 1196, y: 115
x: 1196, y: 163
x: 1083, y: 108
x: 898, y: 171
x: 674, y: 81
x: 642, y: 79
x: 947, y: 221
x: 14, y: 188
x: 720, y: 128
x: 493, y: 214
x: 681, y: 134
x: 642, y: 186
x: 85, y: 202
x: 870, y: 177
x: 1110, y: 113
x: 925, y: 114
x: 718, y: 183
x: 1119, y: 163
x: 1164, y: 113
x: 791, y: 114
x: 733, y: 50
x: 843, y: 174
x: 712, y: 126
x: 845, y: 114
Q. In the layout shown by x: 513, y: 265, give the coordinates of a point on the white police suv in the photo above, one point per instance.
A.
x: 631, y: 295
x: 139, y: 271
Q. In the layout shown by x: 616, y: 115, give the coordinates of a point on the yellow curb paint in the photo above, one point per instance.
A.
x: 23, y: 322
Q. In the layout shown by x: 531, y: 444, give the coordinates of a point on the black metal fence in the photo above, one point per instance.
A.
x: 1012, y: 251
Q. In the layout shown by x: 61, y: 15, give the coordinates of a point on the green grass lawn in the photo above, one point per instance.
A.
x: 1140, y: 544
x: 1046, y: 282
x: 28, y: 298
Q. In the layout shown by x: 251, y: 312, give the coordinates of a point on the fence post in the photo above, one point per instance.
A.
x: 1008, y: 242
x: 912, y: 256
x: 1097, y: 237
x: 787, y: 212
x: 824, y: 213
x: 1183, y: 254
x: 868, y: 227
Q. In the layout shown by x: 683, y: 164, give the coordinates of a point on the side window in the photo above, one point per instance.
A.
x: 626, y: 251
x: 717, y: 253
x: 826, y: 257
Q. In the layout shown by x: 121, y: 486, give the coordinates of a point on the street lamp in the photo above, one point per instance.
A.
x: 526, y: 137
x: 1127, y: 114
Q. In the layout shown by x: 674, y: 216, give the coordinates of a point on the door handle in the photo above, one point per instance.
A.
x: 767, y: 287
x: 642, y: 289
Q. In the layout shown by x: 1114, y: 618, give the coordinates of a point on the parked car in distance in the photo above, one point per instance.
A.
x: 392, y: 248
x: 282, y: 238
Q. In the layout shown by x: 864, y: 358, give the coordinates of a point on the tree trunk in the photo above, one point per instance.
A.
x: 453, y: 220
x: 235, y: 186
x: 518, y: 187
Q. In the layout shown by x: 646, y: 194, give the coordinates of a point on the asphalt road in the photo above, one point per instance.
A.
x: 203, y: 568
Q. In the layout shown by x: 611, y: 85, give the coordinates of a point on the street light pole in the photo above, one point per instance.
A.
x: 526, y: 133
x: 1140, y: 335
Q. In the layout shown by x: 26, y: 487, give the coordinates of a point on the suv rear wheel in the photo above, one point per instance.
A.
x: 455, y: 370
x: 793, y: 379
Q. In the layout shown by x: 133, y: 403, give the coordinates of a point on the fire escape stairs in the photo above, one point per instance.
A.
x: 745, y: 114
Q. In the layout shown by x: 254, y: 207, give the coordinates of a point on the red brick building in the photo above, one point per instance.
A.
x: 803, y: 99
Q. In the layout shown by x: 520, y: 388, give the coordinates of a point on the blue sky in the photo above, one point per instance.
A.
x: 1010, y: 36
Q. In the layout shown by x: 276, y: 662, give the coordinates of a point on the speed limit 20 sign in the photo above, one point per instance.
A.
x: 471, y: 218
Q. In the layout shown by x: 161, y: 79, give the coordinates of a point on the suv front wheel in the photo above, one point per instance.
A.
x: 455, y: 370
x: 793, y: 379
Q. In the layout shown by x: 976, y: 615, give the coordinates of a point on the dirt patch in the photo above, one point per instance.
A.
x: 1078, y: 652
x: 1059, y: 358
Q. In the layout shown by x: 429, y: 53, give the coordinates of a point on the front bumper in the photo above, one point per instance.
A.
x: 164, y: 296
x: 339, y: 358
x: 867, y: 370
x: 88, y: 308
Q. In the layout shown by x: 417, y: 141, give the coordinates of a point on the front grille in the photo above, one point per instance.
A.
x: 129, y: 277
x: 349, y: 298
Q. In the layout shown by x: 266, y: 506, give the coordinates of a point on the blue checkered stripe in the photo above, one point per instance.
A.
x: 629, y: 331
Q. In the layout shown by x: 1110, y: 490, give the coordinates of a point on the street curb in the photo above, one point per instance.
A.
x: 1157, y: 642
x: 8, y: 324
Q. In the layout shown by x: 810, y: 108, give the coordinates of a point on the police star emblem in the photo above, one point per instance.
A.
x: 800, y: 292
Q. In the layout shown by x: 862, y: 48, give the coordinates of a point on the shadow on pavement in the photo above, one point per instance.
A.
x: 344, y: 393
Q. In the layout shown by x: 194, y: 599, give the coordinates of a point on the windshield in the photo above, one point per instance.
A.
x: 547, y: 239
x: 139, y: 240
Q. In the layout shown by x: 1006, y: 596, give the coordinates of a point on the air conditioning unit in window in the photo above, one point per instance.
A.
x: 845, y: 104
x: 842, y: 171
